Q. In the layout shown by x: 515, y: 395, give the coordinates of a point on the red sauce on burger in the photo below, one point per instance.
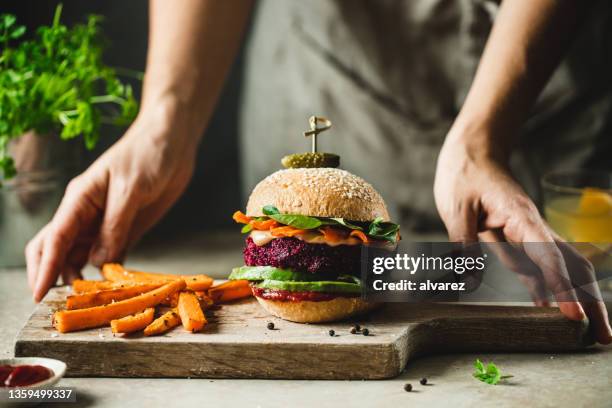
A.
x: 288, y: 296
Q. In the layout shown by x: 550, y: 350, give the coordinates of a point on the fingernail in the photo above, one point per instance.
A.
x: 99, y: 256
x: 37, y: 297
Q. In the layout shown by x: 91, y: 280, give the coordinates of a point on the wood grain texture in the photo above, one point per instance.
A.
x: 237, y: 344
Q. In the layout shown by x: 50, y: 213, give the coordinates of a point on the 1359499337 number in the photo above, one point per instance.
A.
x: 40, y: 394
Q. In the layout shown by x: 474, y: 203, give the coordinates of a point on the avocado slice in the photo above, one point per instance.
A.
x: 317, y: 286
x: 258, y: 273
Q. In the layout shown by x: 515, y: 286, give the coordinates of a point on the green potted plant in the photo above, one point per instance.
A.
x: 54, y: 90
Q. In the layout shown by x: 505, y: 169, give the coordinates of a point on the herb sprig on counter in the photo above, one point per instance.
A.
x: 489, y: 374
x: 57, y: 83
x: 377, y: 229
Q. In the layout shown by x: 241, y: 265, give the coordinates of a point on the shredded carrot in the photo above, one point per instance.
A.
x: 241, y: 218
x: 264, y: 225
x: 286, y: 231
x: 361, y: 235
x: 331, y: 234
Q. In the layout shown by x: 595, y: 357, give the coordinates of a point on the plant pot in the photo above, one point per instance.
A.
x: 28, y: 201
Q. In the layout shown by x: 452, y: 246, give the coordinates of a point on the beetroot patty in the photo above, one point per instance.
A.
x: 292, y: 253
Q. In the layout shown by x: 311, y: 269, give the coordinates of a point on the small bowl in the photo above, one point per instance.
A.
x: 58, y: 367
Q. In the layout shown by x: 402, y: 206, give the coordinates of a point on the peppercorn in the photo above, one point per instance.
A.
x: 423, y: 381
x: 270, y: 326
x: 332, y: 333
x: 357, y: 327
x: 365, y: 332
x: 353, y: 330
x: 408, y: 387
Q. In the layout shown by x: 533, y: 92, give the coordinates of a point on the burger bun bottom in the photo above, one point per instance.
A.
x: 339, y: 308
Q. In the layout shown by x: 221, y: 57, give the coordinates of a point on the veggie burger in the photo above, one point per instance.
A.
x: 306, y: 228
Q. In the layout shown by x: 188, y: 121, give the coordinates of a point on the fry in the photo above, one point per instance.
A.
x: 72, y: 320
x: 104, y: 297
x: 230, y: 290
x: 171, y: 300
x: 130, y: 324
x: 190, y: 312
x: 205, y: 300
x: 163, y: 323
x: 116, y: 272
x: 87, y: 286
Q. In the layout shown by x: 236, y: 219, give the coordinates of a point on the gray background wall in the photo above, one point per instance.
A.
x: 215, y: 189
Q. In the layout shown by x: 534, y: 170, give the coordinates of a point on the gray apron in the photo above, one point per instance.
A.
x: 392, y: 76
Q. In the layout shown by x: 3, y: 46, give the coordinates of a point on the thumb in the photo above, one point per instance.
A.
x: 115, y: 228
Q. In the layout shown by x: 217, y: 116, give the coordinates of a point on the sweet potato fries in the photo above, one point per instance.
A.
x: 127, y: 301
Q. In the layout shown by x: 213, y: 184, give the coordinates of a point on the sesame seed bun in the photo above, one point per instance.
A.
x: 318, y: 192
x: 317, y: 312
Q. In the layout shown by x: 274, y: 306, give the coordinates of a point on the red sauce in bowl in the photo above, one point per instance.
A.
x: 23, y: 375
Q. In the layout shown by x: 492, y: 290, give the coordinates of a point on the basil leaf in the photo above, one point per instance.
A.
x: 270, y: 210
x: 490, y: 375
x: 297, y: 221
x: 347, y: 224
x: 383, y: 230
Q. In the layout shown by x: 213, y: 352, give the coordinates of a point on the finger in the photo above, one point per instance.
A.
x: 33, y: 252
x: 116, y: 224
x: 598, y: 316
x: 74, y: 211
x: 588, y: 291
x: 542, y: 250
x: 462, y: 226
x: 70, y: 273
x: 536, y: 286
x: 518, y: 262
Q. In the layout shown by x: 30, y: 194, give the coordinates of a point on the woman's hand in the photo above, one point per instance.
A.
x: 477, y: 197
x: 111, y: 205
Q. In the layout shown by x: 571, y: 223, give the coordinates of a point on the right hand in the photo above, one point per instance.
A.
x: 477, y: 198
x: 113, y: 203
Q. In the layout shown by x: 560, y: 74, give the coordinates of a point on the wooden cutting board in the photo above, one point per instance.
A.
x: 237, y: 344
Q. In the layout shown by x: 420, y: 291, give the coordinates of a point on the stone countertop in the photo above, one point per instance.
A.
x: 540, y: 380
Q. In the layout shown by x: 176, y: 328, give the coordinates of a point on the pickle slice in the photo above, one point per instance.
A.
x: 310, y: 160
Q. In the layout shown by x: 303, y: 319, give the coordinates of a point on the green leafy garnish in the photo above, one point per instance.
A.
x: 56, y: 83
x: 383, y: 230
x: 294, y: 220
x: 270, y: 210
x: 377, y: 229
x: 347, y: 224
x: 297, y: 221
x: 489, y: 374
